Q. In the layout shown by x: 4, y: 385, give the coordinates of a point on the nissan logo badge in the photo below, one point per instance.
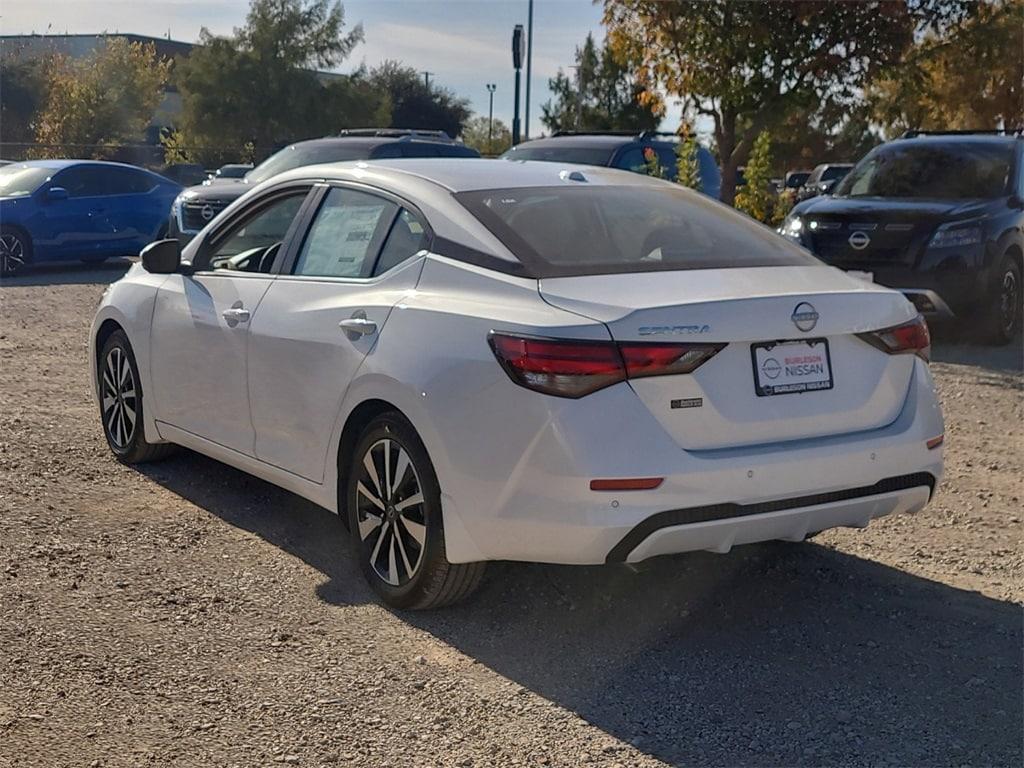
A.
x: 206, y: 212
x: 859, y: 241
x: 805, y: 317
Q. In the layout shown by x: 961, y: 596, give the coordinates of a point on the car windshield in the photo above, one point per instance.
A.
x: 952, y: 171
x: 834, y: 172
x: 18, y: 179
x: 607, y: 229
x: 298, y: 155
x: 563, y: 154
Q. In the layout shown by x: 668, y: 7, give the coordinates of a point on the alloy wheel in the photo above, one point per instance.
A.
x: 120, y: 399
x: 12, y: 253
x: 390, y: 512
x: 1009, y: 298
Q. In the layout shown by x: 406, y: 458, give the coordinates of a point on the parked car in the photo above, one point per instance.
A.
x: 230, y: 172
x: 486, y: 360
x: 940, y: 217
x: 197, y: 206
x: 61, y: 210
x: 624, y: 150
x: 795, y: 180
x: 186, y: 174
x: 823, y: 179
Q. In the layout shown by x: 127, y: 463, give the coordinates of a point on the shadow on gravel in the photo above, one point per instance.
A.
x: 773, y: 654
x: 69, y: 273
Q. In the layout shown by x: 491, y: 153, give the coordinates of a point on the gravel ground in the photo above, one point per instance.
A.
x: 187, y: 614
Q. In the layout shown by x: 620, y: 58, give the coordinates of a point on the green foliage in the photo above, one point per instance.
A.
x: 687, y: 164
x: 476, y: 132
x: 176, y: 149
x: 22, y: 93
x: 756, y: 197
x: 601, y: 95
x: 750, y: 65
x: 652, y: 163
x: 413, y: 105
x: 258, y: 86
x: 970, y: 77
x: 104, y: 100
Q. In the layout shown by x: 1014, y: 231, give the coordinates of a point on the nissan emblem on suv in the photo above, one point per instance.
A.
x: 805, y: 317
x: 859, y: 241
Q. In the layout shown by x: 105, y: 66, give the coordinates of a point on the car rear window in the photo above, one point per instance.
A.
x: 581, y: 230
x: 945, y: 171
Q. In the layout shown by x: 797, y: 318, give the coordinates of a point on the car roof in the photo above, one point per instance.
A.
x: 66, y: 163
x: 958, y: 138
x: 582, y: 140
x: 467, y: 174
x: 369, y: 142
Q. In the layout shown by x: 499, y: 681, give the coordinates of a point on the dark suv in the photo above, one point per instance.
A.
x: 938, y: 216
x: 624, y: 150
x: 196, y: 206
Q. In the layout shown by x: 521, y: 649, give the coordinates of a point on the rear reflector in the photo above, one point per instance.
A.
x: 909, y: 338
x: 574, y: 368
x: 627, y: 484
x: 935, y: 442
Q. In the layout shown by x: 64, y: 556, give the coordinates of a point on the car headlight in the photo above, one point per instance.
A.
x: 792, y: 227
x: 955, y: 236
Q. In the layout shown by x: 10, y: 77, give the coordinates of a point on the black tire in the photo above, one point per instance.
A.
x: 15, y: 251
x: 121, y: 404
x: 403, y: 570
x: 1003, y: 311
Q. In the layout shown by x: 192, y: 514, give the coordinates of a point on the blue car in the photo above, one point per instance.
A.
x: 67, y: 210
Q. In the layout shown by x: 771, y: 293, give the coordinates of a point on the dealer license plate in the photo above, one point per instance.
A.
x: 785, y: 367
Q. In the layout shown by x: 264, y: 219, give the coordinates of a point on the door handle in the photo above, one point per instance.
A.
x: 236, y: 315
x: 355, y: 327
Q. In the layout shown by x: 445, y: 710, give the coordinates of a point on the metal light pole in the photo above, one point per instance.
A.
x: 491, y: 88
x: 426, y: 79
x: 517, y: 63
x: 529, y: 64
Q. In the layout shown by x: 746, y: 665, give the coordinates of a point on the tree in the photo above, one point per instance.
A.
x: 749, y: 65
x: 687, y: 159
x: 601, y: 95
x: 104, y: 100
x: 258, y: 86
x: 414, y: 105
x: 22, y: 95
x: 477, y: 131
x: 971, y: 77
x: 755, y: 196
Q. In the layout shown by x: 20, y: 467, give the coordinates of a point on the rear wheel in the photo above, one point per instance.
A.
x: 15, y: 250
x: 393, y: 503
x: 121, y: 404
x: 1003, y: 312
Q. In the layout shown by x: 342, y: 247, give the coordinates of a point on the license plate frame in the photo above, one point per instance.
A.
x: 788, y: 385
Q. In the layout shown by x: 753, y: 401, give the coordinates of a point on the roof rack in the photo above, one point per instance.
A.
x: 638, y: 135
x: 964, y: 132
x: 397, y: 133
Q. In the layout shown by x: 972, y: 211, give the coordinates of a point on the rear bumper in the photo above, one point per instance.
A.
x: 718, y: 528
x: 541, y: 508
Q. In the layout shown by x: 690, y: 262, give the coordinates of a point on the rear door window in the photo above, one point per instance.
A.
x: 345, y: 235
x: 406, y: 238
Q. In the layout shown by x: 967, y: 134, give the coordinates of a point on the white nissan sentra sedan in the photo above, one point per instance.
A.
x: 486, y: 360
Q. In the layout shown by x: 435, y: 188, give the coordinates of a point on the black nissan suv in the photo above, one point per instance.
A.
x: 939, y: 216
x: 196, y: 206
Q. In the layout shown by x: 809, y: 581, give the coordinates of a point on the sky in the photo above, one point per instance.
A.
x: 465, y: 44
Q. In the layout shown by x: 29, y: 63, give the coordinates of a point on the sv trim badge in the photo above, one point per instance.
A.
x: 804, y: 317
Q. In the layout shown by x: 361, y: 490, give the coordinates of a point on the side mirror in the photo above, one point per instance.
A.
x: 162, y: 257
x: 56, y: 193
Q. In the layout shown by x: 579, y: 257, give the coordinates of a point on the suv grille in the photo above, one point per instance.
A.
x: 856, y: 243
x: 196, y: 215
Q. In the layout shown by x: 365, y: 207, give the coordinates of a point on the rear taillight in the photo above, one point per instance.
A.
x: 909, y: 338
x: 573, y: 368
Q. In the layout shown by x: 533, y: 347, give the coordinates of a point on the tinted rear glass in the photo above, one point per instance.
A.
x: 594, y: 230
x: 564, y: 154
x: 298, y: 155
x: 957, y: 170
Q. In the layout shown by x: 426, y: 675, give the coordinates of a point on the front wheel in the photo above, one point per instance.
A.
x: 1005, y: 305
x: 393, y: 503
x: 15, y: 251
x: 121, y: 404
